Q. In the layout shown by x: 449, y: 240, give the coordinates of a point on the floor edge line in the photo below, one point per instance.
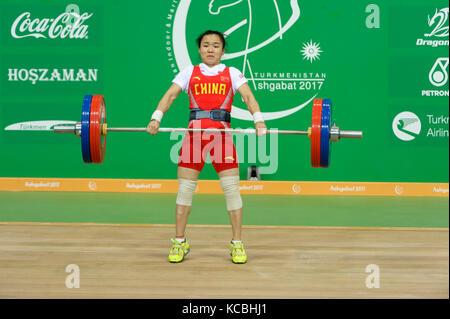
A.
x: 225, y: 226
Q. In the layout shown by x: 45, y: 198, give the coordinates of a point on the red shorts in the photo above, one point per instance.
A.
x: 197, y: 145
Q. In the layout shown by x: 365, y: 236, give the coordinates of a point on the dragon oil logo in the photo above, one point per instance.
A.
x: 253, y: 29
x: 439, y: 23
x: 438, y: 29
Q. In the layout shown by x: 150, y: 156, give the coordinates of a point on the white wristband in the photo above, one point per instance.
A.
x: 258, y: 117
x: 157, y: 115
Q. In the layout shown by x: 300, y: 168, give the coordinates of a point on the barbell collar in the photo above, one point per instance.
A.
x: 334, y: 133
x: 67, y: 129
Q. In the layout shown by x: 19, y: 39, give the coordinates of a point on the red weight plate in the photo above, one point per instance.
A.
x: 95, y: 128
x: 102, y: 140
x: 316, y: 126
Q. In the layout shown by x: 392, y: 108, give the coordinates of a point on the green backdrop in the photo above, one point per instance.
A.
x: 374, y: 60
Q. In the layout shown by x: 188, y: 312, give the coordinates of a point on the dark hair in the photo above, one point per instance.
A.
x: 208, y: 32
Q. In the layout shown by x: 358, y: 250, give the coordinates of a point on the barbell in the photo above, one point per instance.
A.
x: 93, y: 130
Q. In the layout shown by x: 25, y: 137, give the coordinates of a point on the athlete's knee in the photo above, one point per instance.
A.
x: 186, y: 189
x: 230, y: 187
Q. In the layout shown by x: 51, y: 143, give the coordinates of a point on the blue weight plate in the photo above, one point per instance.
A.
x: 330, y: 121
x: 325, y: 134
x: 331, y: 124
x: 85, y: 120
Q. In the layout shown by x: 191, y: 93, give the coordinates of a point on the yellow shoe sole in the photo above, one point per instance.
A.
x: 237, y: 261
x: 178, y: 261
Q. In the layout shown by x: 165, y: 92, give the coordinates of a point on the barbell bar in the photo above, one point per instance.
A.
x: 76, y: 129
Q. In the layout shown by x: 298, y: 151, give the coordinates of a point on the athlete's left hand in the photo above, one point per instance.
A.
x: 261, y: 128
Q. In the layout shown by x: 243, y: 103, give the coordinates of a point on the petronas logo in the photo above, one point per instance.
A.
x: 438, y: 75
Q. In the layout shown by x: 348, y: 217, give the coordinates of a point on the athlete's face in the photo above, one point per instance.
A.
x: 211, y: 50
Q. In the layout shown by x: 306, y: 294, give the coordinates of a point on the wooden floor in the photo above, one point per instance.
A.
x: 131, y: 262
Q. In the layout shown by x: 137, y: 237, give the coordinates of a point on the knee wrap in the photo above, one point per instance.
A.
x: 186, y: 189
x: 230, y: 187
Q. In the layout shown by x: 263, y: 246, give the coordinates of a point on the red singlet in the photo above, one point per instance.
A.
x: 209, y: 93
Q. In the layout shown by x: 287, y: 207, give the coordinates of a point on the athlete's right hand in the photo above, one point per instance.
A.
x: 153, y: 127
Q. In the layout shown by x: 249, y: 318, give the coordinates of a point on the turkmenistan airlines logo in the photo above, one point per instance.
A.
x: 252, y: 38
x: 406, y: 126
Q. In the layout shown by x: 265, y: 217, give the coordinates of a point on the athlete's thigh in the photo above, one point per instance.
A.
x: 224, y: 156
x: 190, y: 156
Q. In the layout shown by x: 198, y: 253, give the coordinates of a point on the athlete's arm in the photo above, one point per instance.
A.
x: 163, y: 106
x: 253, y: 107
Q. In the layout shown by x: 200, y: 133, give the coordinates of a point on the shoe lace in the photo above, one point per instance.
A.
x: 176, y: 246
x: 238, y: 249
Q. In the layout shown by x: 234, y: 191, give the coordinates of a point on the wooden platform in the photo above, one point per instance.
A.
x: 284, y: 262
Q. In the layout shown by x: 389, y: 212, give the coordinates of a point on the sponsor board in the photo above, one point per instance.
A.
x: 420, y: 76
x: 213, y: 187
x: 424, y: 126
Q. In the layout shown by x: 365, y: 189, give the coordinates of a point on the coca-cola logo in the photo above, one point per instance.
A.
x: 66, y: 25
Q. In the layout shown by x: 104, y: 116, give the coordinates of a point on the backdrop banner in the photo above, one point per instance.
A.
x: 383, y: 65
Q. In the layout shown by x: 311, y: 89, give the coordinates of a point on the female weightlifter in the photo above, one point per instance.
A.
x: 211, y: 86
